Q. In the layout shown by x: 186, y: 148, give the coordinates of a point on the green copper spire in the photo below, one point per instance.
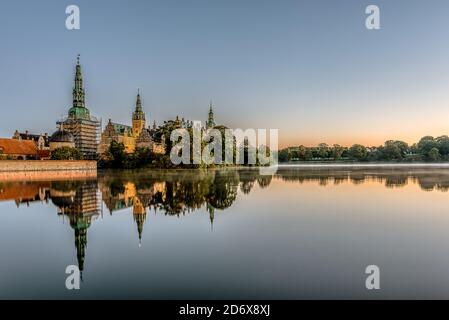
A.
x: 78, y: 90
x: 138, y: 114
x: 210, y: 121
x: 78, y: 110
x: 80, y: 225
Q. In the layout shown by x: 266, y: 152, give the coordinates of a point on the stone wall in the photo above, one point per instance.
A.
x: 47, y: 170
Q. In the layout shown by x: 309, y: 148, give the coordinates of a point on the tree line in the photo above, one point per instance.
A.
x: 427, y: 149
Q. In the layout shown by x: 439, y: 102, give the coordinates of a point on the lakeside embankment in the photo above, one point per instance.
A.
x: 47, y: 170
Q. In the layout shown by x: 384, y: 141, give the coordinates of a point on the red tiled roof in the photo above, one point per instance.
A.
x: 17, y: 147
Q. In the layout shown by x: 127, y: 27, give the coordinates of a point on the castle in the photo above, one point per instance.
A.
x: 132, y: 137
x: 82, y: 131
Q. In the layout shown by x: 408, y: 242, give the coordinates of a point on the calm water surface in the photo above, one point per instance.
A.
x: 301, y: 233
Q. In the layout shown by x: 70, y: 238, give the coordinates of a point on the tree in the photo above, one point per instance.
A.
x: 283, y: 155
x: 117, y: 155
x: 434, y: 154
x: 426, y: 144
x: 141, y: 158
x: 358, y: 152
x: 393, y: 150
x: 443, y: 145
x: 165, y: 131
x: 414, y: 149
x: 66, y: 153
x: 323, y: 150
x: 302, y: 153
x: 402, y: 146
x: 337, y: 151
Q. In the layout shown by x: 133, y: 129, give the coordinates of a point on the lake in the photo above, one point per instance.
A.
x: 300, y: 233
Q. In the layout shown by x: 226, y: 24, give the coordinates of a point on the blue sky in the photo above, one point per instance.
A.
x: 309, y: 68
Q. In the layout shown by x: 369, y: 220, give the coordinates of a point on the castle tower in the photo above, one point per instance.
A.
x: 138, y: 118
x: 210, y: 123
x: 78, y: 89
x: 84, y: 128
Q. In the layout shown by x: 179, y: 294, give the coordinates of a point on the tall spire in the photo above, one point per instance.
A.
x: 78, y: 90
x: 138, y: 114
x: 78, y: 110
x: 210, y: 121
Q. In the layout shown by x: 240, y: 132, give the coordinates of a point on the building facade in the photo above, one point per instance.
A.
x: 132, y: 137
x: 84, y: 127
x: 41, y: 141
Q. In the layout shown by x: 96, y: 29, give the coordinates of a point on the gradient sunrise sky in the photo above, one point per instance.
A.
x: 309, y: 68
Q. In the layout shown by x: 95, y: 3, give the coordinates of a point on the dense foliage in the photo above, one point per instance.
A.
x: 117, y: 158
x: 427, y: 149
x: 66, y: 153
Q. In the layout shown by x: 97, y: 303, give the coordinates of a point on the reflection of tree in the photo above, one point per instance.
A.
x: 264, y: 181
x: 223, y: 191
x: 246, y: 186
x: 396, y: 181
x: 177, y: 192
x: 357, y: 177
x: 429, y: 183
x: 428, y: 179
x: 247, y: 180
x: 116, y: 186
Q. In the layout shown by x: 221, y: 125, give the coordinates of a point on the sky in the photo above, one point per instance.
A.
x: 308, y: 68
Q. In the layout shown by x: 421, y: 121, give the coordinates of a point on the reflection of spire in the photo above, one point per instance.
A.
x: 140, y: 215
x: 80, y: 225
x: 211, y: 211
x: 140, y: 220
x: 80, y: 207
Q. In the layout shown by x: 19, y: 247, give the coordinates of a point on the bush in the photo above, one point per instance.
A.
x: 66, y: 153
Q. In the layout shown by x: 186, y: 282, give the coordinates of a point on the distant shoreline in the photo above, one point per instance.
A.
x: 442, y: 165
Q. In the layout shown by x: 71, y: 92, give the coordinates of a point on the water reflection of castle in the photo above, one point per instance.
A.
x: 123, y: 195
x: 181, y: 192
x: 79, y: 202
x: 174, y: 195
